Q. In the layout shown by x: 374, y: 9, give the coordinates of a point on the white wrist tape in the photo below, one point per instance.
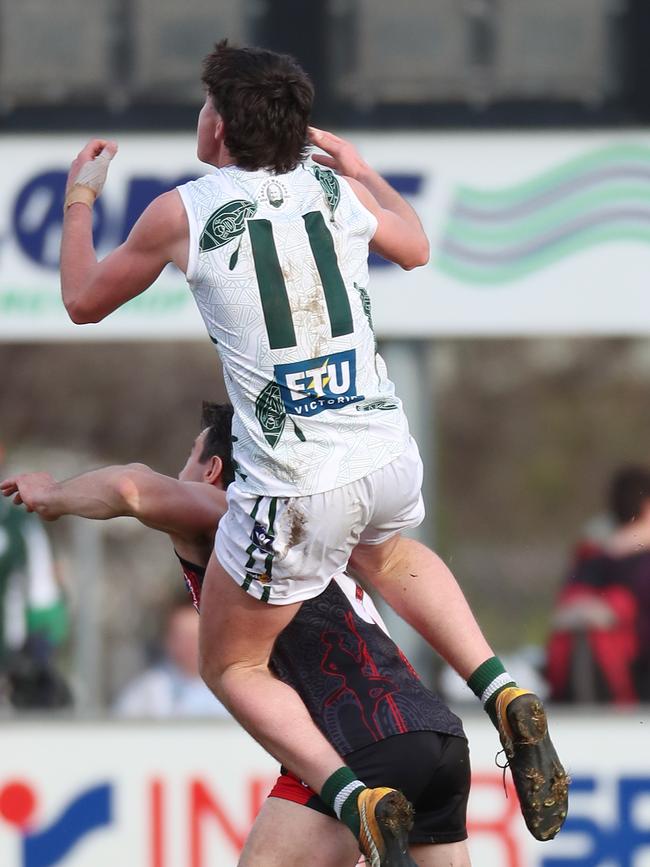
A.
x: 93, y: 173
x: 90, y: 181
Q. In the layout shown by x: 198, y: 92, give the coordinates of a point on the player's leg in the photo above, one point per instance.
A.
x: 441, y: 855
x: 287, y: 834
x: 419, y: 587
x: 411, y: 578
x: 236, y: 638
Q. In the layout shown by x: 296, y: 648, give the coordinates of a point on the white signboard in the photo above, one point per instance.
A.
x: 185, y: 795
x: 533, y: 233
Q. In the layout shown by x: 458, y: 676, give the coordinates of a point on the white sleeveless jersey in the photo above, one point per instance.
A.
x: 278, y: 268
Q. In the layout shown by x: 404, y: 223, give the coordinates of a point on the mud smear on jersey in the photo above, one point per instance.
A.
x: 297, y: 526
x: 316, y: 321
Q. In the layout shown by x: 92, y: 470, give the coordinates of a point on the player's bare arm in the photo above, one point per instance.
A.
x: 92, y: 289
x: 399, y: 236
x: 184, y: 510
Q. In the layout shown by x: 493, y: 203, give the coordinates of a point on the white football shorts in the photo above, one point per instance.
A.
x: 287, y: 549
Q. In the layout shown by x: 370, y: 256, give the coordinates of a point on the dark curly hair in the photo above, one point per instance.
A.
x: 217, y: 419
x: 265, y: 101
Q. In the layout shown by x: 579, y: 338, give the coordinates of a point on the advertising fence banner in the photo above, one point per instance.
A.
x: 536, y: 233
x: 185, y: 795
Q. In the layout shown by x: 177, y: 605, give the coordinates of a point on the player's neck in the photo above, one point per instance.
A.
x: 222, y: 157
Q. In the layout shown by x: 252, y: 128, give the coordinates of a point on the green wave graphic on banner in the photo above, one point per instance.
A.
x: 496, y: 236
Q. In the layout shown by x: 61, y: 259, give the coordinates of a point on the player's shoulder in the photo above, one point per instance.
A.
x: 163, y: 222
x: 165, y: 210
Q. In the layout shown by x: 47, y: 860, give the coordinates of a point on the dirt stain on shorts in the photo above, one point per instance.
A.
x: 297, y: 526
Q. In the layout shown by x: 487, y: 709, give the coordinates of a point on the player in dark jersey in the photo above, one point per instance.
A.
x: 359, y: 688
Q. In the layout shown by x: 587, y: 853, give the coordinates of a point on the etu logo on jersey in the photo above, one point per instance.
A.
x: 328, y: 382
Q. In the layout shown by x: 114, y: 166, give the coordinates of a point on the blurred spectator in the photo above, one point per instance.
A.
x: 33, y: 615
x: 173, y: 688
x: 600, y: 645
x: 593, y: 539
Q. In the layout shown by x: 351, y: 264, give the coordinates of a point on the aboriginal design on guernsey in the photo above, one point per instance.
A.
x: 355, y: 682
x: 272, y: 416
x: 225, y: 224
x: 365, y: 303
x: 331, y: 187
x: 370, y: 405
x: 273, y: 278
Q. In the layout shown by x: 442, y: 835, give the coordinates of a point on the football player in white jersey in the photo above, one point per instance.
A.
x: 275, y: 252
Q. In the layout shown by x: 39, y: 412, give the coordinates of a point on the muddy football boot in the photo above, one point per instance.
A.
x: 386, y: 819
x: 540, y: 780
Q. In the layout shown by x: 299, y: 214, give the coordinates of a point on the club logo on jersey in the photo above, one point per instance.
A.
x: 310, y: 387
x: 264, y: 578
x: 330, y: 185
x: 226, y: 223
x: 262, y: 539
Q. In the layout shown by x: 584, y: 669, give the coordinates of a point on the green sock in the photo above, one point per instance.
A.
x: 489, y: 679
x: 340, y: 793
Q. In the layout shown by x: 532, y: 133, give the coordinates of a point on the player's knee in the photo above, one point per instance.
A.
x: 211, y: 671
x: 372, y: 561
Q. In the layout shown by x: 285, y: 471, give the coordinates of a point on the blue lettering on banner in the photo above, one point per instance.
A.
x: 38, y: 212
x: 617, y: 844
x: 38, y: 217
x: 142, y: 191
x: 310, y: 387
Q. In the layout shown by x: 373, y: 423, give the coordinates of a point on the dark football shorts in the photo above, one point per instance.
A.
x: 431, y: 769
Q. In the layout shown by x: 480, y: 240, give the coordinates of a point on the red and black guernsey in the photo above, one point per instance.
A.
x: 356, y: 683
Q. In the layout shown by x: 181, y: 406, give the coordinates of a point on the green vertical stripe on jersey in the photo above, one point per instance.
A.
x: 265, y: 594
x: 255, y: 508
x: 251, y: 558
x: 248, y: 580
x: 273, y: 508
x: 336, y: 296
x: 251, y: 548
x: 273, y: 291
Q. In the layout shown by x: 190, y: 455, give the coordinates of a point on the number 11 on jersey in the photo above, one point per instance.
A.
x: 273, y: 289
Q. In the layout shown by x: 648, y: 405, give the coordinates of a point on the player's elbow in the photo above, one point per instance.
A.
x: 81, y: 313
x: 128, y: 489
x: 81, y: 300
x: 418, y: 255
